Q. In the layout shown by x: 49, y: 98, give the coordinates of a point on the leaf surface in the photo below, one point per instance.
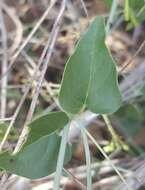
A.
x: 36, y: 160
x: 90, y: 77
x: 45, y: 124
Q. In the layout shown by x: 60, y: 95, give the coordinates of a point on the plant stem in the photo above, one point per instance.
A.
x: 110, y: 128
x: 61, y: 156
x: 111, y: 15
x: 127, y: 10
x: 115, y: 138
x: 4, y: 64
x: 88, y: 159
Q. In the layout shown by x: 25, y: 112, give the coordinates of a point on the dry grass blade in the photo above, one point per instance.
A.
x: 81, y: 185
x: 29, y: 38
x: 133, y: 57
x: 48, y: 50
x: 84, y: 7
x: 33, y: 65
x: 14, y: 118
x: 19, y: 27
x: 33, y: 78
x: 4, y: 60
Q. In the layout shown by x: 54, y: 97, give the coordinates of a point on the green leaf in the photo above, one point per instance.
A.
x: 36, y: 160
x: 129, y: 119
x: 108, y: 3
x: 90, y: 78
x: 46, y: 124
x: 38, y: 157
x: 136, y: 5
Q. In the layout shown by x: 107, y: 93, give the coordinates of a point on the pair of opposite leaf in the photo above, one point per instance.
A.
x: 89, y: 80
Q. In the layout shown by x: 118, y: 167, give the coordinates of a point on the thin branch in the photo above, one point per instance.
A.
x: 6, y: 119
x: 84, y: 7
x: 111, y: 16
x: 70, y: 174
x: 4, y: 64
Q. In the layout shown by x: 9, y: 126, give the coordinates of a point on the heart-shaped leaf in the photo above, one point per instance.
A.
x: 38, y: 157
x: 90, y: 77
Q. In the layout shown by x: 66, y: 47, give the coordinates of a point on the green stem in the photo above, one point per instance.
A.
x: 115, y: 138
x: 88, y: 159
x: 61, y: 156
x: 127, y: 10
x: 110, y: 128
x: 111, y: 15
